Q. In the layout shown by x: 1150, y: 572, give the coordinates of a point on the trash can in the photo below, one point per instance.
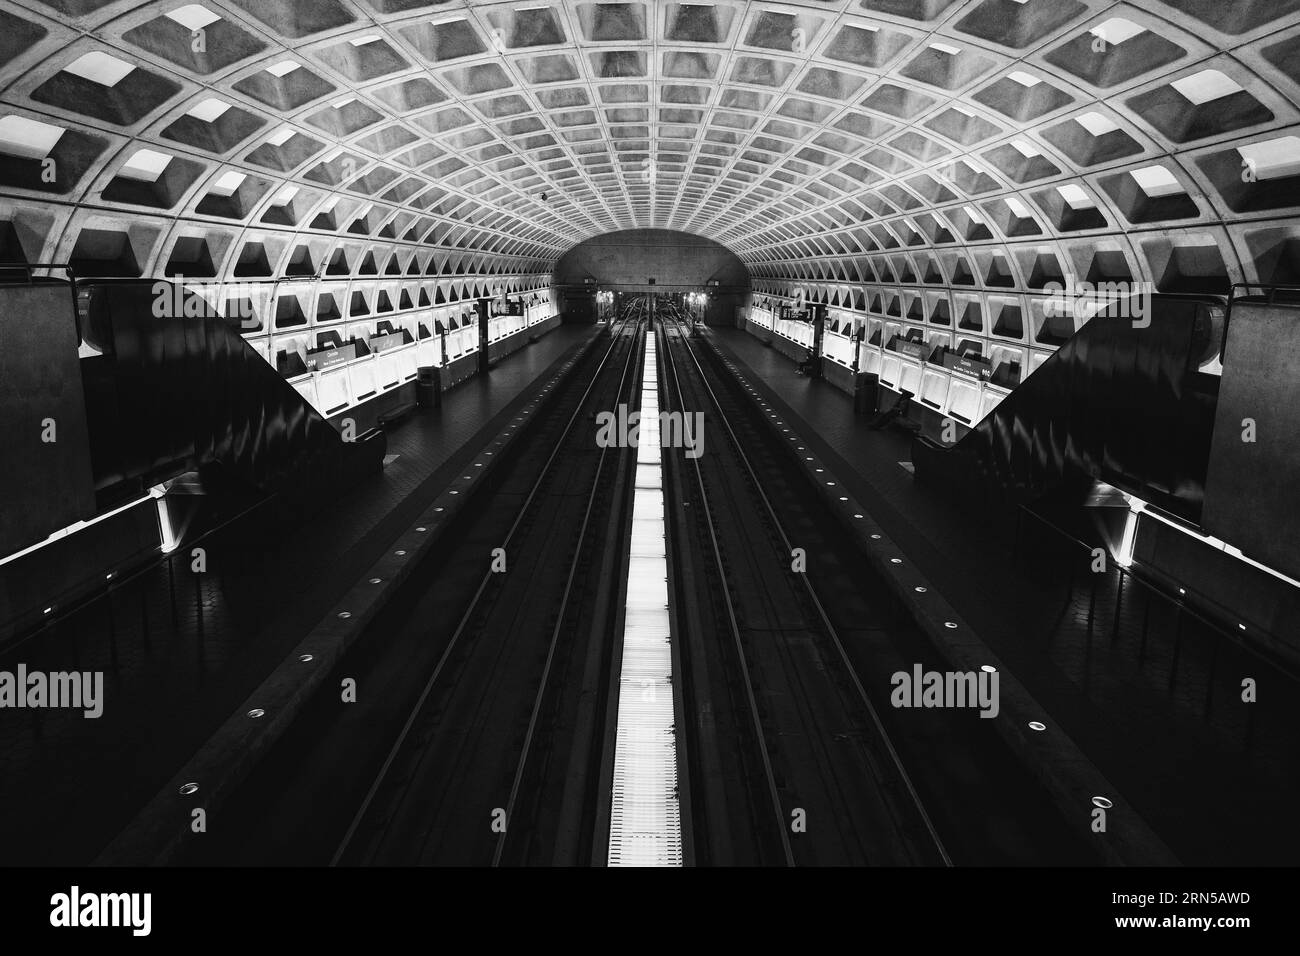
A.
x: 428, y: 386
x: 865, y: 392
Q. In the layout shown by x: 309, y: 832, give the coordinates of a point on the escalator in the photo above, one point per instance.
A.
x: 169, y: 394
x: 108, y: 399
x: 1118, y: 403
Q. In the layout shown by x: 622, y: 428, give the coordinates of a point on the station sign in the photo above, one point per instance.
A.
x: 979, y: 368
x: 328, y: 358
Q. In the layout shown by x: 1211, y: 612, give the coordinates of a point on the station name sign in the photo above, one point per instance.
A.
x: 974, y: 367
x: 915, y: 349
x: 328, y: 358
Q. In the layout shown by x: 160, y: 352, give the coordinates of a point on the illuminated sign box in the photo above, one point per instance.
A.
x: 321, y: 359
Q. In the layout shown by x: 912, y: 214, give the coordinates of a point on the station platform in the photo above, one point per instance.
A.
x: 179, y: 650
x: 1152, y: 696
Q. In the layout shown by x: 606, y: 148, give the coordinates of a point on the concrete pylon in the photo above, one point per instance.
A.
x: 819, y: 334
x: 483, y: 306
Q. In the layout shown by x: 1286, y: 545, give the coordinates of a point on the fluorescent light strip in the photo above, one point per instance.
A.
x: 1137, y: 505
x: 645, y: 816
x: 166, y: 531
x: 156, y: 492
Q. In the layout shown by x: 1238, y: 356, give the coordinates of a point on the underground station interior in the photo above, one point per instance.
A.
x: 585, y: 434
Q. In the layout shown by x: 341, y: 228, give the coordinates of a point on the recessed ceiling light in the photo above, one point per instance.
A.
x: 99, y: 68
x: 1117, y: 30
x: 228, y: 183
x: 1157, y: 181
x: 1017, y: 207
x: 1096, y: 124
x: 209, y: 110
x: 28, y: 138
x: 1206, y: 86
x: 193, y: 17
x: 145, y: 165
x: 282, y: 136
x: 1075, y: 196
x: 1274, y: 158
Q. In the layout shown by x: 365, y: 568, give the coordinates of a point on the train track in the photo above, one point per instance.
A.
x: 494, y: 693
x: 952, y: 792
x: 835, y: 789
x: 474, y: 773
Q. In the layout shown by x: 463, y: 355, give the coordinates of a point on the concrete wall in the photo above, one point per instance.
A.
x: 1250, y: 485
x: 626, y: 261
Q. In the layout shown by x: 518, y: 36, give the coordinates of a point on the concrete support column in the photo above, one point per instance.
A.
x: 819, y: 335
x: 483, y: 305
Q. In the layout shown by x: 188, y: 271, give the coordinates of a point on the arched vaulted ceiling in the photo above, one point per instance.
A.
x: 811, y: 137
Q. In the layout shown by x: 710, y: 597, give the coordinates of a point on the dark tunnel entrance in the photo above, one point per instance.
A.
x: 637, y: 261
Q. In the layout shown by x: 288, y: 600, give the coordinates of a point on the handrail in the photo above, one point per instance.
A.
x: 1179, y: 602
x: 1273, y: 288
